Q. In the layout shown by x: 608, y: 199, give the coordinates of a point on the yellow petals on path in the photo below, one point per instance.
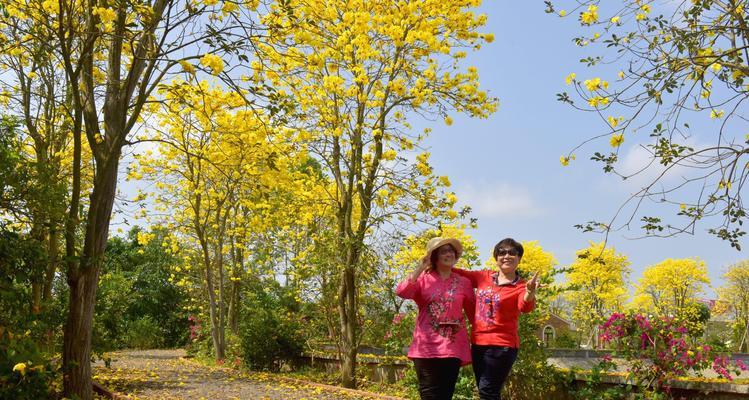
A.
x: 132, y: 374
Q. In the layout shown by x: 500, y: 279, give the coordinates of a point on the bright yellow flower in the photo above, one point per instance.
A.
x: 565, y: 161
x: 613, y: 121
x: 51, y: 6
x: 569, y: 78
x: 598, y: 100
x: 448, y: 121
x: 389, y: 155
x: 594, y: 84
x: 187, y: 67
x: 214, y: 62
x: 616, y: 140
x: 20, y: 368
x: 716, y: 114
x: 615, y: 20
x: 229, y: 7
x: 590, y: 16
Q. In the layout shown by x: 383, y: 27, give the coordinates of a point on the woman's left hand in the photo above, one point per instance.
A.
x: 530, y: 287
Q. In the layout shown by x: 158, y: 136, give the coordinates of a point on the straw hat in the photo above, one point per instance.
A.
x: 435, y: 243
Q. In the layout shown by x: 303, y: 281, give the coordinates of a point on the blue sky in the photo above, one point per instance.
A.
x: 507, y: 167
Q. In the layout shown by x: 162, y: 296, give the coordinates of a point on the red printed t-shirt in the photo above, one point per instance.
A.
x: 497, y: 308
x: 440, y: 330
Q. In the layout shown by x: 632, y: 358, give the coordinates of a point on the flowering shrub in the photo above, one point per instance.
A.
x: 398, y: 337
x: 658, y: 349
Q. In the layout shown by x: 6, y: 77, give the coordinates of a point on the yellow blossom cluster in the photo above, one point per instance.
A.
x: 211, y: 61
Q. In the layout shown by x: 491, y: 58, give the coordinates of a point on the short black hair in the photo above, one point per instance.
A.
x: 508, y: 242
x: 434, y: 255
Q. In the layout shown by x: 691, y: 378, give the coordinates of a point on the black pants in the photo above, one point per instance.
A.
x: 437, y: 377
x: 491, y: 365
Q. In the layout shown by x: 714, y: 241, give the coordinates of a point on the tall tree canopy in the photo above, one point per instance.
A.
x: 357, y: 70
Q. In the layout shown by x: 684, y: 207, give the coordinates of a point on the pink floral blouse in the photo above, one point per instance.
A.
x: 440, y: 330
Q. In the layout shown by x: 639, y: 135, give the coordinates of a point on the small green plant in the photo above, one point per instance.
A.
x: 593, y: 387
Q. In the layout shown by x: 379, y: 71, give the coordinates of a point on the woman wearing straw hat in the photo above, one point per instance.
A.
x: 501, y: 296
x: 440, y: 341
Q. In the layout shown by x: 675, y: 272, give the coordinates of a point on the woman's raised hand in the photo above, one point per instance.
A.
x: 531, y: 286
x: 423, y: 266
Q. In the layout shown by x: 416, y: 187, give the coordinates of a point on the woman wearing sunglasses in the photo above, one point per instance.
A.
x: 440, y: 341
x: 501, y: 296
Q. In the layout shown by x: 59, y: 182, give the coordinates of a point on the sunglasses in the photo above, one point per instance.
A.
x: 507, y: 252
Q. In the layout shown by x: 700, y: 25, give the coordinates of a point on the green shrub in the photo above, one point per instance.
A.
x: 532, y: 377
x: 268, y: 340
x: 144, y: 333
x: 270, y: 327
x: 465, y: 387
x: 565, y: 340
x: 400, y: 333
x: 25, y: 373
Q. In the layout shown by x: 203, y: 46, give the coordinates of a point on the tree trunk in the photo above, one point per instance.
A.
x: 77, y: 336
x: 83, y: 282
x: 347, y: 312
x: 39, y: 233
x: 213, y: 313
x: 53, y: 251
x: 234, y: 308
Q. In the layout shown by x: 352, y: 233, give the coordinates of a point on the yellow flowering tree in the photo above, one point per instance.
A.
x: 735, y: 295
x: 223, y: 179
x: 113, y: 55
x: 596, y: 287
x: 673, y: 287
x: 678, y: 97
x: 32, y: 92
x: 357, y: 70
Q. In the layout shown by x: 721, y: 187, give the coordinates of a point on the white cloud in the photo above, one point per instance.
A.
x: 498, y: 200
x: 639, y: 161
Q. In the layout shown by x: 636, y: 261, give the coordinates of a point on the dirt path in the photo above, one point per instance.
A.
x: 166, y: 375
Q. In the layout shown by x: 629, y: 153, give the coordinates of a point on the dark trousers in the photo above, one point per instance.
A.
x: 491, y: 365
x: 437, y: 377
